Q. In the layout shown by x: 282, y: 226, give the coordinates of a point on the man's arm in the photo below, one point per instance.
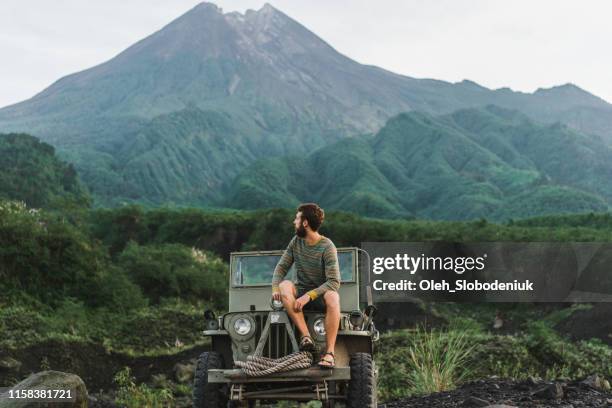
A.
x: 282, y: 267
x: 332, y: 273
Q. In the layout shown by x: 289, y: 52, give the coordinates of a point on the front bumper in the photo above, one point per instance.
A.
x: 312, y: 374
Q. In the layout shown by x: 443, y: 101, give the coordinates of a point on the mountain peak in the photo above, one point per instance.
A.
x: 265, y: 16
x: 208, y: 7
x: 573, y: 91
x: 471, y: 84
x: 205, y: 7
x: 267, y: 8
x: 568, y: 87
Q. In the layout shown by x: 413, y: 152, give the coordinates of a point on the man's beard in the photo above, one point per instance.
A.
x: 301, y: 231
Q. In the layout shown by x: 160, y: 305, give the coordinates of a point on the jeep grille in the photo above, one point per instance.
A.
x: 278, y: 343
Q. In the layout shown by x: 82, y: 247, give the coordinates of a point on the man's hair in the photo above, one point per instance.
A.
x: 313, y: 214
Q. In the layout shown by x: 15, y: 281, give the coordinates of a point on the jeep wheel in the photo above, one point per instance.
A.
x: 361, y: 391
x: 207, y: 395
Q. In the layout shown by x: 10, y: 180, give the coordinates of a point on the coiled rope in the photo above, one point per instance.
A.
x: 259, y: 366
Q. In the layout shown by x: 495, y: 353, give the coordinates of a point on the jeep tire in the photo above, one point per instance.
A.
x: 361, y: 392
x: 207, y: 395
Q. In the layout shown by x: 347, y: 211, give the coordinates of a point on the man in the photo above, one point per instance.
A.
x: 318, y: 279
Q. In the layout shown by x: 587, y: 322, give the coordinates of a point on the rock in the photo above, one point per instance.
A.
x: 475, y: 402
x: 49, y: 380
x: 596, y: 382
x: 184, y: 372
x: 549, y: 391
x: 9, y: 364
x: 529, y: 383
x: 102, y: 401
x: 501, y: 406
x: 533, y: 380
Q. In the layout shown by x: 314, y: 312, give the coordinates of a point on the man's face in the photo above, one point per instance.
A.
x: 300, y: 230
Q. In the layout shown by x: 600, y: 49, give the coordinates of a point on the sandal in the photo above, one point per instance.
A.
x: 327, y: 362
x: 306, y: 343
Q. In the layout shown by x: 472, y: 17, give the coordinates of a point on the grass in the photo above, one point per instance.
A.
x: 417, y: 362
x: 420, y: 361
x: 438, y: 360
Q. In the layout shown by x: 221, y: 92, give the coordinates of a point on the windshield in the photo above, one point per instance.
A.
x: 257, y: 269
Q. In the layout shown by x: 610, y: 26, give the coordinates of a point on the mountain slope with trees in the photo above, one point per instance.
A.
x: 31, y: 172
x: 129, y: 124
x: 491, y: 162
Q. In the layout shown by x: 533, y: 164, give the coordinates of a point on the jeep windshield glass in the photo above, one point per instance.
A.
x: 257, y: 269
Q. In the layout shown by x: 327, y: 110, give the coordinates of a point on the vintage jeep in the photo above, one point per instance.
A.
x: 256, y: 325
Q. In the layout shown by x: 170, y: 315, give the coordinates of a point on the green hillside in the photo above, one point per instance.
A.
x: 127, y: 287
x: 474, y: 163
x: 31, y: 172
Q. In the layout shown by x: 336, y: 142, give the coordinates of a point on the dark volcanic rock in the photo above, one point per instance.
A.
x: 549, y: 391
x: 507, y: 393
x: 475, y: 402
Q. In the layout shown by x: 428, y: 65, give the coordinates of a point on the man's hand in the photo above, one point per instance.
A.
x: 276, y: 296
x: 300, y: 302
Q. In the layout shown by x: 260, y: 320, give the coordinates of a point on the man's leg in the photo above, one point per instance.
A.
x: 332, y: 318
x: 288, y: 292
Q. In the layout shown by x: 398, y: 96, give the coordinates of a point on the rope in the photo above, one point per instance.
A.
x: 260, y: 366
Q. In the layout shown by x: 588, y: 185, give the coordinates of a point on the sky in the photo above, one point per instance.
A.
x: 520, y: 44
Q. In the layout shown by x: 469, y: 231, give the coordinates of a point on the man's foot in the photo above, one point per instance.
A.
x: 327, y: 360
x: 306, y: 343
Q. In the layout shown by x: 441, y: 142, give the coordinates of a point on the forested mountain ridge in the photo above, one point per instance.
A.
x: 491, y: 162
x: 129, y: 124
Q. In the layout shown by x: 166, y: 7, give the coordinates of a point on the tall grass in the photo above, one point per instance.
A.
x: 438, y: 360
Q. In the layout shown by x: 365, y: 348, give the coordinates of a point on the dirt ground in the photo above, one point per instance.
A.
x: 501, y: 393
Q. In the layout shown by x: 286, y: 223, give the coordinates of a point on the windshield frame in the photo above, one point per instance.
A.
x: 279, y: 253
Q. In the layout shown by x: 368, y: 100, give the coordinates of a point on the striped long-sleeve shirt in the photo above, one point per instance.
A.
x: 316, y: 266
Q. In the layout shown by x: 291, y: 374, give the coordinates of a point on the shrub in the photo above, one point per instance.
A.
x: 130, y: 395
x: 46, y: 257
x: 174, y: 270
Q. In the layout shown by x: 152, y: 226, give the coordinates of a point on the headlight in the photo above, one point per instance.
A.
x: 276, y: 304
x: 242, y: 326
x: 212, y: 325
x: 319, y: 326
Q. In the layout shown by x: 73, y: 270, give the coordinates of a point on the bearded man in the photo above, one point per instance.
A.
x: 318, y: 279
